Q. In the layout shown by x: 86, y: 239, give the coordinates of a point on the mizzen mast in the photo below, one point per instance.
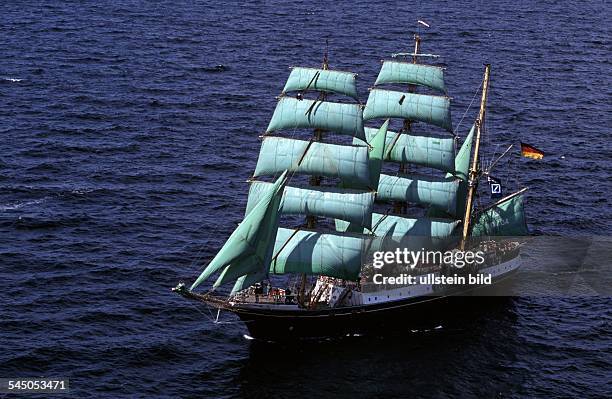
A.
x: 475, y: 169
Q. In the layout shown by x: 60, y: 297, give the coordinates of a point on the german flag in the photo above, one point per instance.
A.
x: 531, y: 152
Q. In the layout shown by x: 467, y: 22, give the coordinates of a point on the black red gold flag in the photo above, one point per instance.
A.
x: 530, y: 151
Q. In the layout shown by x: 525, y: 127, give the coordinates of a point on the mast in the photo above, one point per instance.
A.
x: 311, y: 221
x: 473, y: 178
x: 401, y: 207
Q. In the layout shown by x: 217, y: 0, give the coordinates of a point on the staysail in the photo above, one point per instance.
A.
x: 462, y: 161
x: 248, y: 249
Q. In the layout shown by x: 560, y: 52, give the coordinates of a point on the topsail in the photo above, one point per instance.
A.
x: 341, y: 118
x: 303, y: 79
x: 434, y: 110
x: 409, y: 73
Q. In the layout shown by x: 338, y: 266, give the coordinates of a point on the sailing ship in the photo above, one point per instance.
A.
x: 343, y: 205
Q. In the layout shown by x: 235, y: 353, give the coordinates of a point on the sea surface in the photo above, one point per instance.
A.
x: 128, y: 130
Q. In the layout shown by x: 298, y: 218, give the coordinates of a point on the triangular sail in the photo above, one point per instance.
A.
x: 341, y: 118
x: 303, y: 79
x: 248, y: 249
x: 377, y: 152
x: 409, y: 73
x: 462, y: 161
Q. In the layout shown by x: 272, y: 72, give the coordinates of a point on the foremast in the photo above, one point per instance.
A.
x: 311, y: 220
x: 259, y: 248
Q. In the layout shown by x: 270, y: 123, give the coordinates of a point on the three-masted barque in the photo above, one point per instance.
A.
x: 349, y: 190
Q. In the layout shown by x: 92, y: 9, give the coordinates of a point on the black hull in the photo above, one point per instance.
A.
x: 381, y: 319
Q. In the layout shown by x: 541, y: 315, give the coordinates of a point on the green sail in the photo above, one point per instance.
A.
x: 434, y: 110
x: 313, y: 253
x: 248, y: 249
x: 462, y: 161
x: 462, y: 172
x: 504, y: 219
x: 354, y: 206
x: 416, y: 74
x: 390, y: 225
x: 342, y: 118
x: 322, y: 159
x: 377, y: 151
x: 425, y: 190
x: 429, y: 151
x: 396, y: 231
x: 392, y: 230
x: 340, y: 82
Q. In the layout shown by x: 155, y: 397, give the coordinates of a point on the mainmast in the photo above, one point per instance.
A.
x: 474, y: 170
x: 400, y: 207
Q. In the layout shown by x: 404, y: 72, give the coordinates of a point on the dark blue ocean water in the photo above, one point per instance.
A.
x: 124, y: 153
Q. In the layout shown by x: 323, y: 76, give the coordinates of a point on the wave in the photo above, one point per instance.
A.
x: 12, y: 80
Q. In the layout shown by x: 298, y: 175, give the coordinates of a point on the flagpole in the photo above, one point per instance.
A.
x: 473, y: 179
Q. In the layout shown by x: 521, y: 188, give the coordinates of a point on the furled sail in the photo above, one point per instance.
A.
x: 322, y: 159
x: 340, y: 118
x: 416, y: 74
x: 434, y: 110
x: 248, y: 249
x: 429, y: 151
x: 439, y: 193
x: 351, y: 205
x: 313, y: 253
x: 507, y: 218
x: 302, y: 79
